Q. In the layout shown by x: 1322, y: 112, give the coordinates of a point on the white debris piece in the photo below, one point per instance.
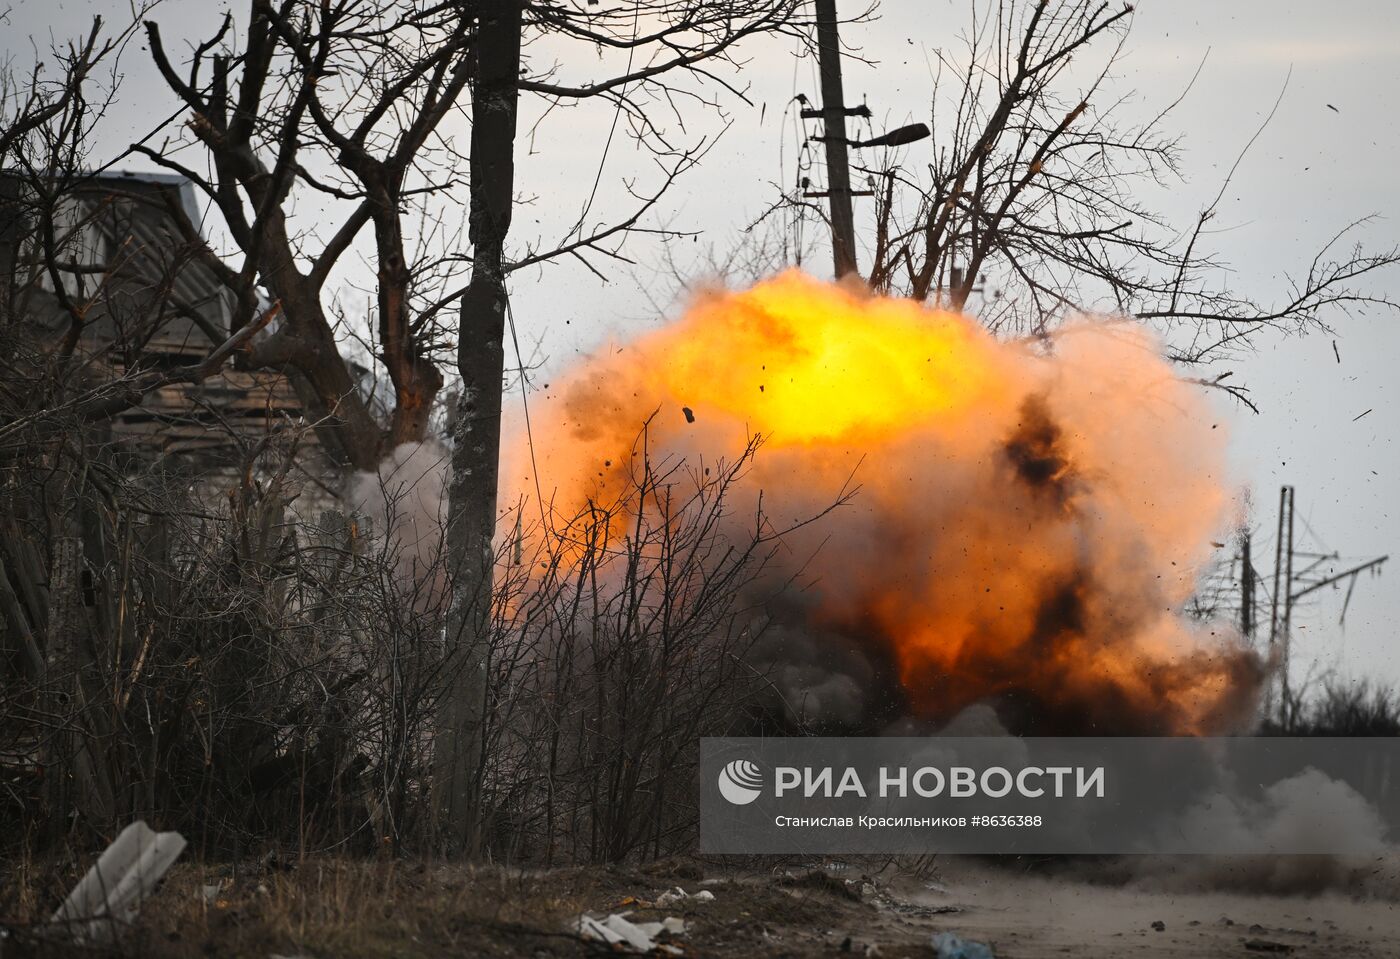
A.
x: 670, y: 925
x: 629, y: 933
x: 594, y: 931
x: 123, y: 877
x: 671, y: 896
x: 617, y: 930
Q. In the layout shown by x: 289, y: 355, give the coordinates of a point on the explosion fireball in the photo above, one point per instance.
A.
x: 1030, y: 520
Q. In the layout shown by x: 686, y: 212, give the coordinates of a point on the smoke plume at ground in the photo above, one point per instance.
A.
x: 1030, y: 516
x: 405, y: 501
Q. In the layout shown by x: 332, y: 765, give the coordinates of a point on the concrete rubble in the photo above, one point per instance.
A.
x: 124, y: 876
x: 619, y: 932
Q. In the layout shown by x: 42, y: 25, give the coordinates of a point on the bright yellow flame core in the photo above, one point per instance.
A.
x: 787, y: 359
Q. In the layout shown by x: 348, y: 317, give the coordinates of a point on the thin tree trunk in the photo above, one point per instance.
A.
x: 477, y: 434
x: 76, y: 778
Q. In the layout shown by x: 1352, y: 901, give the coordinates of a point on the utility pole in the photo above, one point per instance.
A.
x: 1247, y: 580
x: 833, y: 115
x: 1285, y: 517
x: 1287, y: 631
x: 1289, y: 587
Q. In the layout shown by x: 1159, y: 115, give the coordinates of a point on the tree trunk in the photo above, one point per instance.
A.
x: 458, y: 755
x: 76, y: 778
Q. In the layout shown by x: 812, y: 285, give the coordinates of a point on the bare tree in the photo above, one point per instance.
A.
x: 1031, y: 197
x: 343, y: 101
x: 349, y: 102
x: 662, y: 38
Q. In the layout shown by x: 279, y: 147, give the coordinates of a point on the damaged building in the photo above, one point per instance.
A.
x: 123, y: 285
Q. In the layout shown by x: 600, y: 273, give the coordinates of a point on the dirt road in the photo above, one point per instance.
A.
x: 1029, y: 917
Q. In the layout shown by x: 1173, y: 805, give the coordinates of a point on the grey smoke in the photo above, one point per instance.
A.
x: 1309, y: 810
x: 405, y: 500
x: 819, y: 679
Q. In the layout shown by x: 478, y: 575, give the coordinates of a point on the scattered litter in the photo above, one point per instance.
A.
x: 949, y: 945
x: 123, y: 877
x: 1159, y: 925
x: 617, y: 931
x: 591, y: 930
x: 689, y: 414
x: 704, y: 895
x: 1267, y: 945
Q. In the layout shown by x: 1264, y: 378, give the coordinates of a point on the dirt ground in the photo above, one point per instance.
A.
x: 1027, y: 917
x: 333, y: 909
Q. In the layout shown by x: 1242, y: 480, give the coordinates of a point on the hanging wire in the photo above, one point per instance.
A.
x: 612, y: 130
x: 525, y: 406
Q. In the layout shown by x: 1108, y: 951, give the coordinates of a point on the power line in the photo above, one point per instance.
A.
x: 1290, y: 586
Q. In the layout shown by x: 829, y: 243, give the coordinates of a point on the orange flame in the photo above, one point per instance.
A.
x: 1031, y: 516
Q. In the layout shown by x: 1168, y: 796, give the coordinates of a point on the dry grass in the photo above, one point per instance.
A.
x: 367, y: 910
x: 340, y: 908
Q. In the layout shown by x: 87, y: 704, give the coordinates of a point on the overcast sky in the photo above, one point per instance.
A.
x: 1328, y: 427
